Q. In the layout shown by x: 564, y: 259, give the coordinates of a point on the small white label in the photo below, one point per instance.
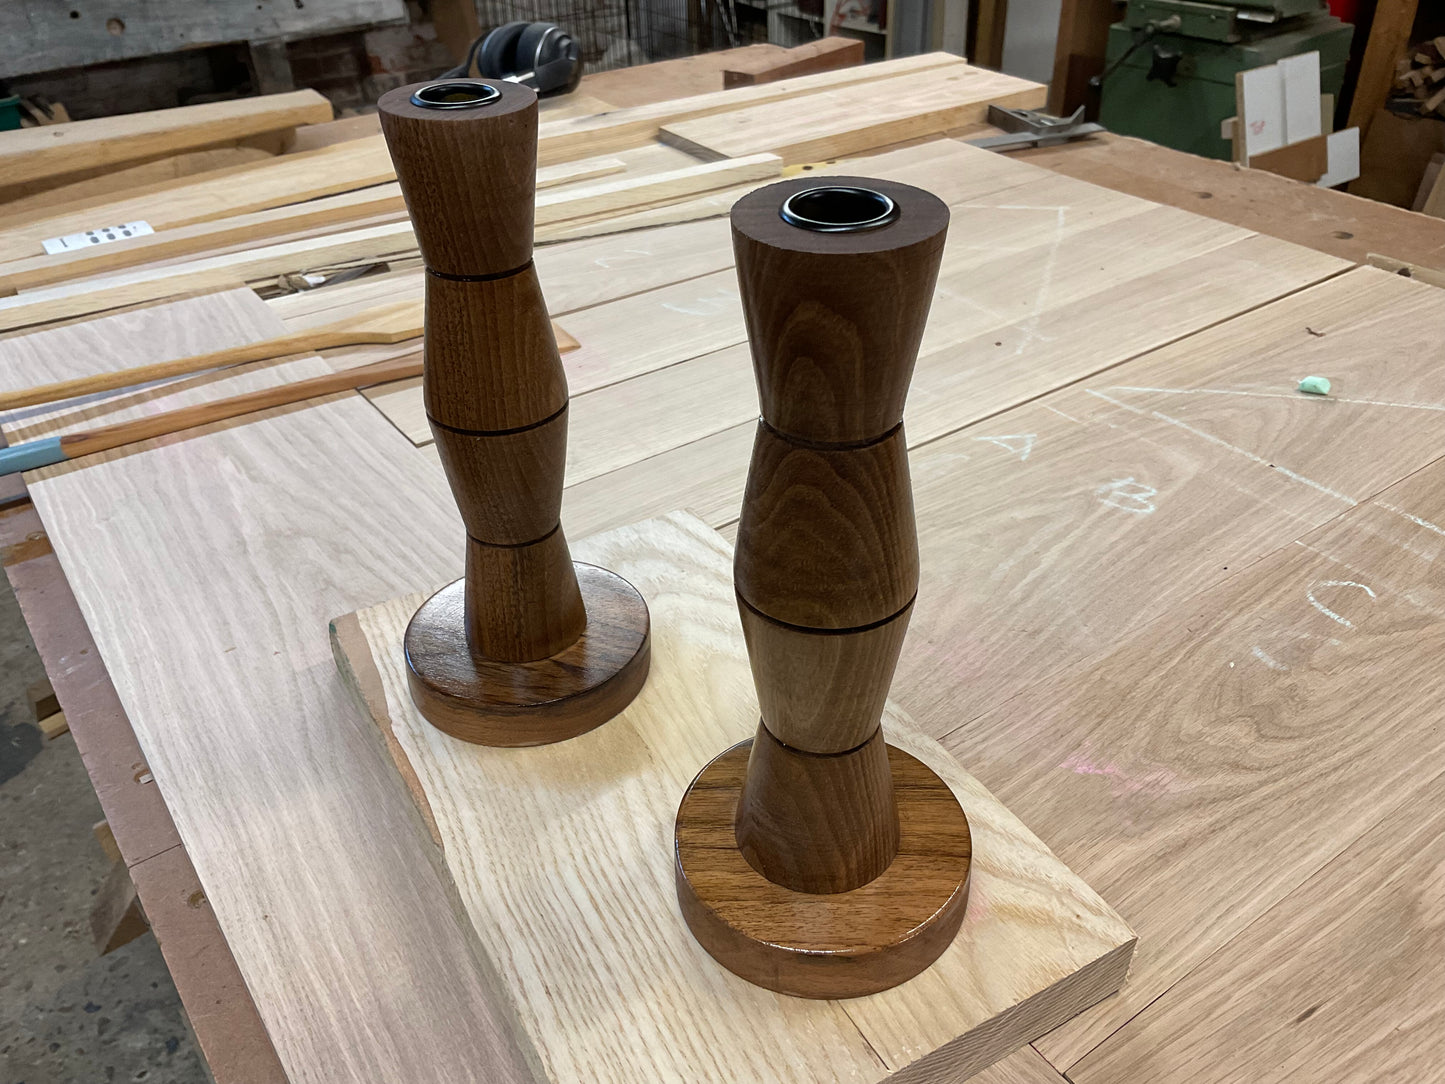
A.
x: 100, y: 236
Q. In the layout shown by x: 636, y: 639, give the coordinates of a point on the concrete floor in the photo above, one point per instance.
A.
x: 67, y: 1016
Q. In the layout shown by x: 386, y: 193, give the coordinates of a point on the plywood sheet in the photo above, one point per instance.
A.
x: 562, y: 929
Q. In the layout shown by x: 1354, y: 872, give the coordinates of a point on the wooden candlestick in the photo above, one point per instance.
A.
x: 857, y: 856
x: 528, y: 647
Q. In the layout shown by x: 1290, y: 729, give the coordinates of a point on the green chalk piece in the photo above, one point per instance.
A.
x: 1315, y: 385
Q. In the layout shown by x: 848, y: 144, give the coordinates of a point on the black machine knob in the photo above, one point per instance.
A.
x: 1165, y: 65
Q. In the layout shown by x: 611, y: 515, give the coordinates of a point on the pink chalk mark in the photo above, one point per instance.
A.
x: 1157, y: 781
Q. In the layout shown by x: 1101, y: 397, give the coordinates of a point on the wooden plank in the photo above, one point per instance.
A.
x: 40, y: 36
x: 663, y: 80
x: 1026, y: 1066
x: 825, y: 54
x: 1320, y: 219
x: 1328, y: 978
x: 182, y: 329
x: 960, y: 380
x: 1203, y: 474
x: 607, y: 133
x: 1390, y: 31
x: 1079, y: 50
x: 415, y: 1006
x: 28, y: 154
x: 53, y: 194
x: 218, y: 1006
x: 285, y: 179
x: 854, y: 119
x: 680, y: 1014
x: 381, y: 199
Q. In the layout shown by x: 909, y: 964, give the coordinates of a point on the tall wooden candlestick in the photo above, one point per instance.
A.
x: 528, y: 647
x: 815, y: 859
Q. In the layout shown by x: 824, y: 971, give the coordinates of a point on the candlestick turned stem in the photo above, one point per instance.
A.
x: 815, y: 859
x: 528, y: 647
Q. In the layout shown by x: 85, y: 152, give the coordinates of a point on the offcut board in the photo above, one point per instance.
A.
x: 560, y: 858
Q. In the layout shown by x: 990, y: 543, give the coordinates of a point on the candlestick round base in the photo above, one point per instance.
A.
x: 835, y: 945
x: 489, y: 702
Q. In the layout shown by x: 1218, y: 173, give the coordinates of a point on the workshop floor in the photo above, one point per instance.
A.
x: 67, y: 1016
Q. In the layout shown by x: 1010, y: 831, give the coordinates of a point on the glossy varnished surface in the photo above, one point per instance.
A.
x: 531, y: 703
x: 509, y: 484
x: 466, y: 174
x: 491, y: 356
x: 835, y: 319
x: 511, y: 654
x: 826, y: 539
x: 824, y: 945
x: 814, y: 822
x: 821, y: 690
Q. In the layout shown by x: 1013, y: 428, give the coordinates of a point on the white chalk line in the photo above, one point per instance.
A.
x: 1322, y: 608
x: 1298, y: 396
x: 1413, y: 518
x: 1225, y: 444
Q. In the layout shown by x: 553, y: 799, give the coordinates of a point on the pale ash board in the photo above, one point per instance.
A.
x: 561, y: 860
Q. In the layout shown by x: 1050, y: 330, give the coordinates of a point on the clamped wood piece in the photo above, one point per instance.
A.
x: 855, y: 857
x: 528, y: 647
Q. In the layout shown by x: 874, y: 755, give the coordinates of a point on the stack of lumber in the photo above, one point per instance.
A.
x: 1421, y: 75
x: 331, y: 205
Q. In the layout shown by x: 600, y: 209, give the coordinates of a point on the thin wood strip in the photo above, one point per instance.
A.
x: 36, y: 271
x: 286, y: 179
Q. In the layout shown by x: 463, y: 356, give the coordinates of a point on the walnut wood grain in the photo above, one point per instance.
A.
x: 523, y: 602
x: 826, y: 573
x: 547, y: 700
x: 826, y: 539
x: 491, y: 355
x: 819, y: 690
x: 469, y: 177
x: 508, y: 485
x: 835, y: 319
x: 512, y: 654
x: 824, y: 945
x: 817, y: 822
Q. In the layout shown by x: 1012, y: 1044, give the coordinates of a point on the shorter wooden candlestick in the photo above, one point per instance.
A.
x: 530, y: 647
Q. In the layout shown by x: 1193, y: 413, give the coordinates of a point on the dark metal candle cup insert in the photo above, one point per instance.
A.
x: 838, y: 209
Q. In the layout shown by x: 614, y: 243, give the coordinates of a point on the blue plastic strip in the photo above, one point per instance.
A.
x: 32, y: 454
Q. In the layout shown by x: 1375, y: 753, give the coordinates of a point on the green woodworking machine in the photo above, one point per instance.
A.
x: 1169, y: 72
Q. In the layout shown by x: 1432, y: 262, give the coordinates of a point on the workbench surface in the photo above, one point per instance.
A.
x: 1177, y: 615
